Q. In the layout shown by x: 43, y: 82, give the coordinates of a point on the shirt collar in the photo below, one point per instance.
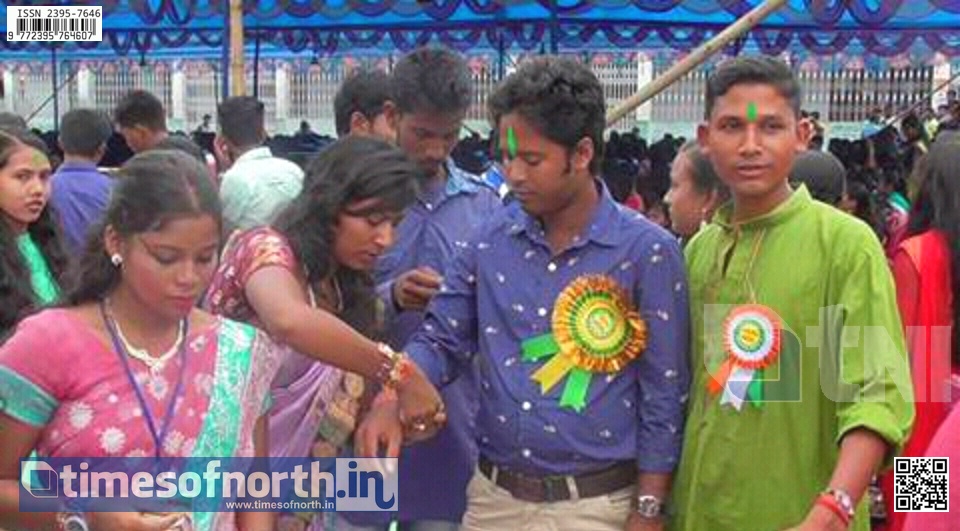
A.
x: 458, y: 182
x: 258, y: 153
x: 77, y: 166
x: 604, y: 227
x: 798, y: 201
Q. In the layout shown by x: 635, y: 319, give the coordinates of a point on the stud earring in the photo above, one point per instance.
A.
x: 116, y: 260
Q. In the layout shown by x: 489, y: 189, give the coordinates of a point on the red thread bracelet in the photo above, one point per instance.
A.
x: 829, y: 502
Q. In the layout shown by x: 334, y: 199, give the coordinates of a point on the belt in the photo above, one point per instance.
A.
x: 560, y: 488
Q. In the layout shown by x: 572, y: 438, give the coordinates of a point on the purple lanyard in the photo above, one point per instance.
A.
x: 158, y: 437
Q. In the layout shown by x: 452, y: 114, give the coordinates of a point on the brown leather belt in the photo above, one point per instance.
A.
x: 557, y: 488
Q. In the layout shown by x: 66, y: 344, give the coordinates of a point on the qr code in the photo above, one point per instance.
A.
x: 920, y: 484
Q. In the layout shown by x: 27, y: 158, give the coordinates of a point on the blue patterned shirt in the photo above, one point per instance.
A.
x: 500, y: 291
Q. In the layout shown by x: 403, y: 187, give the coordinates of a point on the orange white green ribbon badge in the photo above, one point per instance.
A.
x: 752, y: 336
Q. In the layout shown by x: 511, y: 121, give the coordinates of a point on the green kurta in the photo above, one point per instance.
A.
x: 819, y: 270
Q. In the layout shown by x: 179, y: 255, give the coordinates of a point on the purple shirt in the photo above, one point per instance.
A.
x: 79, y: 195
x: 500, y: 290
x: 431, y: 233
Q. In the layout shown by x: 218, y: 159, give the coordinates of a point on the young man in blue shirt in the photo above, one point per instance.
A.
x: 575, y: 312
x: 79, y: 191
x: 431, y: 91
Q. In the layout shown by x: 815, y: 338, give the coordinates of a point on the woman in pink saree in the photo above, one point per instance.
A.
x: 128, y: 367
x: 322, y: 248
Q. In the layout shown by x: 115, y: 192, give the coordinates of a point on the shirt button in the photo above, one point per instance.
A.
x: 551, y: 267
x: 526, y: 453
x: 526, y: 406
x: 542, y: 312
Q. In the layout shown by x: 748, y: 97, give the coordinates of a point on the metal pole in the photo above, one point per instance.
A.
x: 698, y: 56
x: 256, y: 65
x: 51, y: 97
x: 501, y: 59
x: 56, y: 89
x: 554, y: 29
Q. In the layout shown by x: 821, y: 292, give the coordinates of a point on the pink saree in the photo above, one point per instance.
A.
x: 56, y: 374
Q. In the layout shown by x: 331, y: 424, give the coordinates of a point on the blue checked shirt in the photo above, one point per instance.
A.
x: 500, y: 290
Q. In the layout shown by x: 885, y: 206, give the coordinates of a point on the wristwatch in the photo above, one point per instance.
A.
x: 72, y: 522
x: 649, y: 506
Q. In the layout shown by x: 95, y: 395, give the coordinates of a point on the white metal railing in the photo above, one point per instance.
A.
x: 305, y: 91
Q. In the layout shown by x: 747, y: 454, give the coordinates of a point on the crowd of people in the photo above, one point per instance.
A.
x: 551, y: 329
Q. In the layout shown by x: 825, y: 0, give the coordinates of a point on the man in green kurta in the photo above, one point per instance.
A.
x: 801, y: 389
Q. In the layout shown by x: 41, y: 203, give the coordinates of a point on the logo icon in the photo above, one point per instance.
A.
x: 39, y: 479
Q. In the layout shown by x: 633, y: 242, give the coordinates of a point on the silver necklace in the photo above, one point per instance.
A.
x: 154, y: 363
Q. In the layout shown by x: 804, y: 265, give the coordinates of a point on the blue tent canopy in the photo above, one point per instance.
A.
x: 330, y: 27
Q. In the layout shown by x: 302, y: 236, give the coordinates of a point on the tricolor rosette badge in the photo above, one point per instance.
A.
x: 752, y: 338
x: 595, y: 329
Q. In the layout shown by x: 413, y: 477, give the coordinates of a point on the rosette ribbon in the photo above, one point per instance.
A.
x: 595, y: 329
x: 752, y: 338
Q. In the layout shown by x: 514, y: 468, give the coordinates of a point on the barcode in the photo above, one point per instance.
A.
x: 921, y: 484
x: 54, y: 23
x: 57, y: 25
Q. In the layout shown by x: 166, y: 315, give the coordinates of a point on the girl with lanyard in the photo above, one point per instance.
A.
x: 128, y: 367
x: 31, y: 259
x: 313, y: 262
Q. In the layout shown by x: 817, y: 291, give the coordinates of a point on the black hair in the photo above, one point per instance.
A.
x: 938, y: 208
x: 886, y: 153
x: 823, y: 174
x: 433, y: 80
x: 16, y: 289
x: 351, y: 169
x: 84, y: 131
x: 868, y: 209
x: 241, y: 121
x: 182, y: 144
x: 705, y: 178
x: 620, y: 176
x: 912, y: 121
x: 152, y: 189
x: 753, y: 70
x: 139, y: 107
x: 364, y: 92
x: 561, y: 98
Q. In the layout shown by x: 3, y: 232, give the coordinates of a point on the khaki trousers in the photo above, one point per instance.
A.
x: 491, y: 508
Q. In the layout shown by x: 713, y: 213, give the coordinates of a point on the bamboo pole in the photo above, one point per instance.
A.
x: 698, y: 56
x: 238, y: 85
